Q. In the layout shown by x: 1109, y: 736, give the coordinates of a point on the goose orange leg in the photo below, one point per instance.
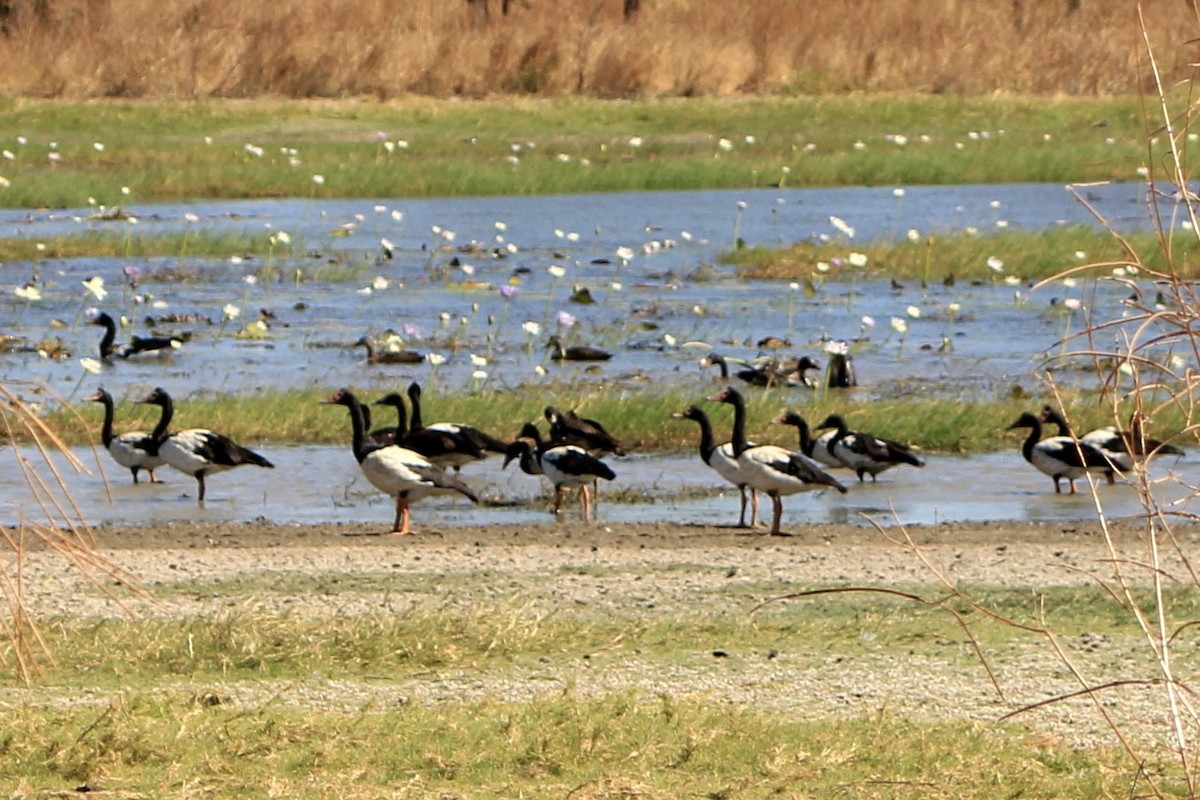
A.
x: 583, y: 496
x: 400, y: 526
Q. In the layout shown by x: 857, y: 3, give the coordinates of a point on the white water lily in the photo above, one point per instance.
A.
x: 914, y: 235
x: 380, y: 283
x: 90, y: 365
x: 616, y: 286
x: 837, y: 347
x: 435, y: 359
x: 857, y: 259
x: 954, y: 308
x: 556, y: 271
x: 531, y: 327
x: 479, y: 375
x: 28, y: 292
x: 1012, y: 280
x: 914, y: 312
x: 625, y: 253
x: 669, y: 340
x: 822, y: 266
x: 478, y: 361
x: 95, y: 285
x: 995, y: 264
x: 231, y: 311
x: 319, y: 180
x: 867, y: 322
x: 899, y: 325
x: 897, y: 193
x: 1070, y: 283
x: 1072, y: 304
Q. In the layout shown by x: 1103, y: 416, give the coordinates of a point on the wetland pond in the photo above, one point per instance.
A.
x: 662, y: 300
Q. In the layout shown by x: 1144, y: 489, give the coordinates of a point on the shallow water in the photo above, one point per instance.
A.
x: 671, y: 294
x: 323, y: 484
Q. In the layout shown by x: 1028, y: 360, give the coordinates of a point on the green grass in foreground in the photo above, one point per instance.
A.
x: 640, y: 420
x: 318, y: 713
x: 181, y: 745
x: 990, y: 257
x: 215, y: 149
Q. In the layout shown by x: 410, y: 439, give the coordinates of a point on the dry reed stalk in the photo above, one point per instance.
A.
x: 1138, y: 377
x: 47, y: 519
x: 223, y: 48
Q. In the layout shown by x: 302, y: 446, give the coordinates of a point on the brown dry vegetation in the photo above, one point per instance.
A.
x: 299, y: 48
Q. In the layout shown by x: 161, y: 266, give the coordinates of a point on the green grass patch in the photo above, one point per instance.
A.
x: 990, y: 257
x: 260, y: 704
x: 641, y: 420
x: 177, y: 744
x: 155, y: 151
x: 521, y: 626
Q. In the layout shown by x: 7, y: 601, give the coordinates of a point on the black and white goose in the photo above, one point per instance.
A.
x: 816, y: 448
x: 865, y: 453
x: 570, y: 428
x: 137, y: 344
x: 771, y: 372
x: 722, y: 459
x: 484, y: 442
x: 575, y: 352
x: 565, y: 466
x: 771, y: 469
x: 1121, y: 448
x: 396, y: 471
x: 443, y: 449
x: 1059, y: 456
x: 134, y: 450
x: 197, y: 451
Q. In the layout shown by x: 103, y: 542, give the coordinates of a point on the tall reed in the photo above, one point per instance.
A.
x: 372, y: 48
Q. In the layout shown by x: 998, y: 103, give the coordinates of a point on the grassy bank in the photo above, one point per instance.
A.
x: 120, y: 153
x: 641, y: 420
x: 987, y: 256
x: 260, y: 705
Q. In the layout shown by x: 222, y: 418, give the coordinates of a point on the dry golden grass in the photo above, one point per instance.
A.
x: 293, y: 48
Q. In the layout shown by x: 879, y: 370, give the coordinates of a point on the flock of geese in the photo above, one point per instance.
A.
x: 412, y: 460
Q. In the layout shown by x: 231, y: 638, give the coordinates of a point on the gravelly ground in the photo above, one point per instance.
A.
x: 649, y: 569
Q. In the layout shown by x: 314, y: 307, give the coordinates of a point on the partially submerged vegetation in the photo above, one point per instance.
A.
x: 972, y: 256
